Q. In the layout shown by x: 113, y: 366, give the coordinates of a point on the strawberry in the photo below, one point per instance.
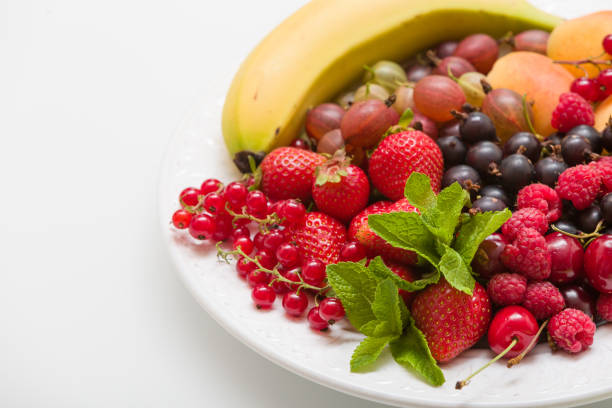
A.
x: 288, y: 172
x: 318, y: 236
x: 406, y: 273
x: 340, y: 190
x: 452, y: 321
x: 398, y: 156
x: 360, y: 231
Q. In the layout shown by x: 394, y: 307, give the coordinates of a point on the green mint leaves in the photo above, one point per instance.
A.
x: 431, y: 234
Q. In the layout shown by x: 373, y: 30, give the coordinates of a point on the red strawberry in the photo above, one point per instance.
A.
x: 406, y: 273
x: 451, y: 320
x: 360, y: 231
x: 340, y: 190
x: 401, y: 154
x: 288, y: 172
x: 318, y: 236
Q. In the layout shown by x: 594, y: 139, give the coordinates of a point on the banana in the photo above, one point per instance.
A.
x: 319, y: 50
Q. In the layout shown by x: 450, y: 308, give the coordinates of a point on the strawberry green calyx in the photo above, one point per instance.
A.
x: 333, y: 169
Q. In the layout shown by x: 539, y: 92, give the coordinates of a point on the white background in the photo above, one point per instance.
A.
x: 91, y: 311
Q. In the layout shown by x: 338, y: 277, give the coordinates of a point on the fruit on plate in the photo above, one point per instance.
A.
x: 280, y: 81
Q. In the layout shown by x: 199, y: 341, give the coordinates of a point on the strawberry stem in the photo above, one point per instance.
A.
x: 461, y: 384
x: 514, y: 361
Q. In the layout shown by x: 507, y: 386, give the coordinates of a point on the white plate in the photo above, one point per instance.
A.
x: 197, y: 152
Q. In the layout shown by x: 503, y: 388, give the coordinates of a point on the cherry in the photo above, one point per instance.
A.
x: 272, y: 240
x: 257, y: 277
x: 211, y: 186
x: 189, y: 197
x: 567, y: 257
x: 215, y: 203
x: 202, y: 226
x: 607, y: 43
x: 598, y: 263
x: 315, y: 320
x: 263, y: 296
x: 352, y: 251
x: 235, y: 193
x: 331, y: 310
x: 313, y: 272
x: 587, y: 88
x: 295, y: 303
x: 256, y: 203
x: 241, y: 231
x: 288, y: 255
x: 579, y: 297
x: 266, y: 259
x: 292, y: 210
x: 487, y: 262
x: 244, y: 266
x: 181, y: 219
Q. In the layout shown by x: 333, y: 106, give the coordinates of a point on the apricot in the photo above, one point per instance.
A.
x: 536, y: 76
x: 581, y: 38
x: 603, y: 113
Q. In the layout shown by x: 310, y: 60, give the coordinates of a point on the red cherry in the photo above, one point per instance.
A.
x: 588, y: 88
x: 263, y: 296
x: 202, y: 226
x: 598, y: 263
x: 315, y: 320
x: 288, y: 255
x: 313, y: 272
x: 352, y: 251
x: 189, y: 197
x: 331, y: 310
x: 181, y: 219
x: 607, y: 44
x: 295, y: 303
x: 487, y: 262
x: 211, y: 186
x: 567, y: 257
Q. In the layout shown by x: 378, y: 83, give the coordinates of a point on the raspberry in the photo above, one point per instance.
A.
x: 572, y: 330
x: 543, y: 300
x: 572, y: 110
x: 528, y: 255
x: 580, y: 185
x: 525, y: 218
x: 507, y: 289
x: 604, y: 167
x: 604, y: 306
x: 541, y: 197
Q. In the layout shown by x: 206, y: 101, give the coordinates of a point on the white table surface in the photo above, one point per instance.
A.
x: 91, y: 311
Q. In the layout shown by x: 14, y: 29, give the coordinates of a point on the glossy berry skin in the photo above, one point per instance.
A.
x: 189, y: 197
x: 352, y: 251
x: 181, y: 219
x: 446, y: 49
x: 575, y: 149
x: 578, y: 297
x: 487, y: 261
x: 607, y: 44
x: 292, y: 211
x: 401, y: 154
x: 263, y: 296
x: 272, y: 240
x: 266, y: 259
x: 453, y: 150
x: 517, y: 171
x: 605, y: 79
x: 485, y: 204
x: 589, y: 218
x: 548, y: 170
x: 456, y: 65
x: 346, y: 197
x: 479, y: 49
x: 481, y: 155
x: 315, y: 320
x: 235, y: 193
x: 604, y: 307
x: 588, y: 88
x: 509, y: 323
x: 256, y: 203
x: 477, y: 127
x: 295, y: 303
x: 211, y: 186
x: 567, y: 226
x: 244, y: 266
x: 495, y: 191
x: 567, y: 257
x: 598, y: 263
x: 466, y: 176
x: 240, y: 232
x: 202, y: 226
x: 223, y: 228
x: 589, y: 133
x: 524, y: 141
x: 245, y: 244
x: 318, y: 236
x: 452, y: 321
x: 323, y: 118
x: 215, y: 203
x: 313, y: 272
x: 288, y: 255
x: 331, y: 310
x: 288, y: 172
x: 257, y: 277
x: 606, y: 208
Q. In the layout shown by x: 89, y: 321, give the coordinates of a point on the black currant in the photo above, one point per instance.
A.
x: 606, y: 138
x: 484, y: 204
x: 481, y: 155
x: 548, y: 170
x: 575, y: 149
x: 476, y: 127
x: 589, y: 218
x: 450, y: 129
x: 606, y: 208
x: 453, y: 150
x: 516, y: 172
x: 525, y: 142
x: 495, y: 191
x: 567, y: 226
x: 466, y: 176
x: 591, y: 134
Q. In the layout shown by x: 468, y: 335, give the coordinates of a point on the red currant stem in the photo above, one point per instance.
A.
x: 514, y: 361
x: 585, y: 61
x: 593, y: 234
x: 263, y: 222
x: 461, y: 384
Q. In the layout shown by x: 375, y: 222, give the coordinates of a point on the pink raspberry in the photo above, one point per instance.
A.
x: 604, y: 306
x: 572, y: 330
x: 543, y: 300
x: 542, y: 198
x: 571, y: 111
x: 528, y: 255
x: 580, y: 185
x: 525, y: 218
x: 507, y: 289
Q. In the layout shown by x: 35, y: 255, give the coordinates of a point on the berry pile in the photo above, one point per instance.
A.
x: 303, y: 209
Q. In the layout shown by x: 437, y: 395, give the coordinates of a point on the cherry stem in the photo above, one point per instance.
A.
x: 461, y: 384
x: 585, y: 61
x: 593, y: 234
x: 514, y: 361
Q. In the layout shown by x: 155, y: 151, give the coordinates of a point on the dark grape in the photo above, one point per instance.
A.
x: 589, y: 218
x: 446, y: 49
x: 548, y: 170
x: 575, y: 149
x: 485, y: 204
x: 477, y: 127
x: 495, y: 191
x: 567, y: 226
x: 453, y: 150
x: 464, y: 175
x: 417, y: 72
x: 516, y: 172
x: 606, y: 138
x: 591, y: 134
x: 481, y: 155
x: 606, y: 208
x: 525, y: 141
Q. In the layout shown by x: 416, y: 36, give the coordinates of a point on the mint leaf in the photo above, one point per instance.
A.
x: 386, y: 306
x: 356, y: 288
x: 378, y: 268
x: 411, y: 351
x: 368, y: 351
x: 475, y: 229
x: 405, y: 230
x: 445, y: 215
x: 419, y: 193
x: 378, y: 328
x: 455, y: 270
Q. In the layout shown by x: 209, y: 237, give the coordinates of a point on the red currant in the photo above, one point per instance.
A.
x: 266, y: 259
x: 293, y: 275
x: 272, y: 240
x: 295, y: 303
x: 352, y: 251
x: 241, y: 232
x: 512, y: 322
x: 258, y: 240
x: 245, y: 244
x: 256, y: 203
x: 215, y: 203
x: 287, y: 255
x: 315, y: 320
x: 587, y: 88
x: 300, y: 144
x: 181, y: 219
x: 292, y: 211
x: 244, y: 266
x: 257, y: 277
x: 331, y: 310
x: 280, y: 287
x: 223, y: 228
x: 235, y: 193
x: 605, y: 79
x: 189, y: 197
x: 202, y: 226
x: 313, y: 272
x: 263, y: 296
x: 607, y: 44
x: 211, y: 186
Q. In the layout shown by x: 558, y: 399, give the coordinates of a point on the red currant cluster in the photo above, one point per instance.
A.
x: 596, y: 89
x: 270, y: 263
